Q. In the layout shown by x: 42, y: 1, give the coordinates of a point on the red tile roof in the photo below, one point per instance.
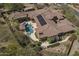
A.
x: 51, y: 28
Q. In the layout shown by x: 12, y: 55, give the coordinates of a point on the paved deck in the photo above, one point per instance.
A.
x: 33, y: 36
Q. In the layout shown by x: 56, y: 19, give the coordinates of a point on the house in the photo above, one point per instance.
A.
x: 27, y: 9
x: 50, y: 23
x: 2, y: 21
x: 2, y: 11
x: 22, y: 26
x: 18, y: 15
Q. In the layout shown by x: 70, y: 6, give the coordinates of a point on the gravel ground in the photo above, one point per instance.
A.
x: 74, y: 48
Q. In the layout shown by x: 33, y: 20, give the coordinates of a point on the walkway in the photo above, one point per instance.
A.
x: 46, y: 44
x: 71, y: 6
x: 65, y: 39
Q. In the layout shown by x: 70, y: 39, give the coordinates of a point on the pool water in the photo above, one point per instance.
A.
x: 29, y: 28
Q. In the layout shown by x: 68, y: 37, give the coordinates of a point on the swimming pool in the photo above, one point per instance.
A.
x: 29, y: 28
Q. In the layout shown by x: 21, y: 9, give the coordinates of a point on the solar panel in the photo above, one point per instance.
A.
x: 41, y: 20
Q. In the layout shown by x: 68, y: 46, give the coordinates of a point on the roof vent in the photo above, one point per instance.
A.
x: 63, y: 17
x: 55, y: 18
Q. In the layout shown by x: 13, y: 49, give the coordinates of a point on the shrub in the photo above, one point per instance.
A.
x: 50, y: 40
x: 13, y: 6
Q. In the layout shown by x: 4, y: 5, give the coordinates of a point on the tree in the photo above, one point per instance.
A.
x: 1, y: 5
x: 8, y: 6
x: 13, y: 6
x: 73, y: 37
x: 50, y: 40
x: 69, y: 13
x: 14, y: 50
x: 37, y: 46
